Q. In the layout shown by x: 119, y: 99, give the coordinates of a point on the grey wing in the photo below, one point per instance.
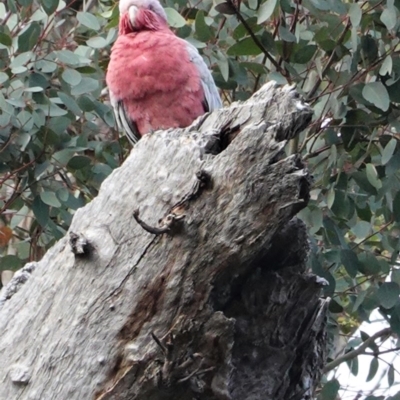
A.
x: 125, y: 123
x: 212, y: 98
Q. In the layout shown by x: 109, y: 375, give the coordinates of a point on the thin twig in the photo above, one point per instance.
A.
x: 378, y: 353
x: 356, y: 352
x: 6, y: 18
x: 255, y: 38
x: 372, y: 234
x: 295, y: 17
x: 329, y: 63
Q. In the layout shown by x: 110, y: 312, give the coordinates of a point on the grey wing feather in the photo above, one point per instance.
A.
x: 123, y: 121
x: 212, y: 97
x: 127, y: 124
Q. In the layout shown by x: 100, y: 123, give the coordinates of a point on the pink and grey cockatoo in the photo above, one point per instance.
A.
x: 156, y: 80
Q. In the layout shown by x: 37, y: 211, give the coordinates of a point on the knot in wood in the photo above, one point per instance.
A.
x: 80, y: 246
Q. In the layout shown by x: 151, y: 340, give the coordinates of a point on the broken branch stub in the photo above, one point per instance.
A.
x: 216, y: 307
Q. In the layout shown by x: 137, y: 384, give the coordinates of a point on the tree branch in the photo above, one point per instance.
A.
x: 356, y: 352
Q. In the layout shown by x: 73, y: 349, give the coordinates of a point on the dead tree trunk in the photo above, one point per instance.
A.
x: 203, y: 295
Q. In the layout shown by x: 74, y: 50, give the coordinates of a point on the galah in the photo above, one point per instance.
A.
x: 156, y: 80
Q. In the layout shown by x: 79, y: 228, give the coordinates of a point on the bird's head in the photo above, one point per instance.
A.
x: 141, y: 14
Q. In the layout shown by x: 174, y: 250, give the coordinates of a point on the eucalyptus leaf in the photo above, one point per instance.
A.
x: 89, y: 20
x: 174, y: 18
x: 265, y: 11
x: 387, y: 66
x: 330, y: 390
x: 391, y: 375
x: 50, y: 199
x: 72, y: 77
x: 355, y: 14
x: 203, y: 31
x: 28, y: 38
x: 10, y: 262
x: 377, y: 94
x: 244, y: 47
x: 5, y: 39
x: 388, y: 151
x: 389, y: 17
x: 97, y: 42
x: 49, y: 6
x: 372, y: 176
x: 41, y: 211
x: 225, y: 8
x: 350, y: 261
x: 388, y: 294
x: 373, y: 369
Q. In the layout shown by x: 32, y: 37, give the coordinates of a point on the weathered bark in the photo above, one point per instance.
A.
x: 219, y: 307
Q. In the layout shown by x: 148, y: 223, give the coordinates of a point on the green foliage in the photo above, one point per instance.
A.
x: 57, y: 142
x: 330, y: 390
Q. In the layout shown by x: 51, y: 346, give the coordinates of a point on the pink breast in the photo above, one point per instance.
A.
x: 151, y: 73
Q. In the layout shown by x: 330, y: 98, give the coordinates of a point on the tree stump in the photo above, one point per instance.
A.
x: 184, y: 279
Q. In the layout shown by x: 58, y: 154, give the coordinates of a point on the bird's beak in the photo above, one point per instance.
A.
x: 132, y: 12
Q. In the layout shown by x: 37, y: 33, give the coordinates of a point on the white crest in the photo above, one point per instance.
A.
x: 153, y: 5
